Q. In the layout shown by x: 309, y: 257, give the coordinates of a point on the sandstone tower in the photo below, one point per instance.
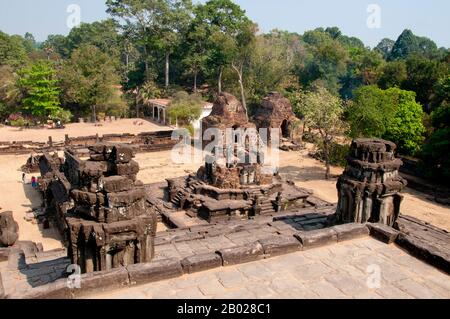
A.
x: 369, y: 189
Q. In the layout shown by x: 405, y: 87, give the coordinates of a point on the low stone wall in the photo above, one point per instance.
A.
x: 158, y: 270
x: 271, y: 246
x: 144, y: 142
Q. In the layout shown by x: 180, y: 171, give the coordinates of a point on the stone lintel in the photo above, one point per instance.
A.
x: 154, y: 271
x: 241, y: 254
x: 317, y: 238
x: 280, y: 245
x: 350, y: 231
x: 383, y: 232
x: 201, y: 262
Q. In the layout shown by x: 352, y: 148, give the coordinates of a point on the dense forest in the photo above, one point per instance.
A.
x: 398, y: 90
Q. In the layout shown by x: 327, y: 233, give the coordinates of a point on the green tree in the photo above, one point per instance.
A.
x: 10, y: 93
x: 393, y: 74
x: 409, y: 44
x: 437, y: 148
x: 327, y: 61
x: 406, y: 127
x: 423, y: 76
x: 41, y: 90
x: 102, y: 34
x: 141, y: 19
x: 12, y: 51
x: 385, y: 47
x: 185, y: 108
x: 55, y: 44
x: 226, y: 26
x: 324, y: 112
x: 89, y: 80
x: 369, y: 112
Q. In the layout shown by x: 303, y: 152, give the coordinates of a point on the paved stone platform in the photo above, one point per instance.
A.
x: 338, y: 271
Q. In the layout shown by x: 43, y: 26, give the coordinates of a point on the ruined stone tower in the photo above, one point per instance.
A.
x: 370, y: 185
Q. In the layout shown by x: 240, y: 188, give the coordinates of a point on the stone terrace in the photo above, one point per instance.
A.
x: 338, y: 271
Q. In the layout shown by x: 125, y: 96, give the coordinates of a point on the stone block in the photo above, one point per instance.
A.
x: 241, y: 254
x: 317, y: 238
x: 94, y: 169
x: 424, y: 251
x: 9, y: 229
x: 97, y: 157
x: 126, y: 198
x: 154, y: 271
x: 84, y: 198
x: 201, y: 262
x: 351, y: 231
x: 131, y: 168
x: 383, y: 232
x: 121, y: 154
x: 114, y: 184
x: 280, y: 245
x: 56, y: 290
x: 102, y: 281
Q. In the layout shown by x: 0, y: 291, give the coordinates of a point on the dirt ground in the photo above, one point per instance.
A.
x: 8, y: 133
x: 156, y: 167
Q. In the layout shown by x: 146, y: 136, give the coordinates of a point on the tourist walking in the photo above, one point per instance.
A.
x: 33, y: 182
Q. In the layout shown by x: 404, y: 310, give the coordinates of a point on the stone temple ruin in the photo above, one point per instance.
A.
x: 275, y: 112
x: 100, y: 207
x: 227, y: 113
x: 234, y: 183
x: 370, y: 186
x: 234, y: 209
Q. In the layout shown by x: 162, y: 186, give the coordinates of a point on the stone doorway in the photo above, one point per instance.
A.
x: 285, y: 129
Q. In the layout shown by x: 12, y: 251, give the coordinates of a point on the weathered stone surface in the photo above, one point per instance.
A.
x: 102, y: 281
x: 84, y: 198
x: 241, y: 254
x: 369, y: 189
x: 125, y: 198
x: 350, y: 231
x: 279, y: 245
x: 275, y: 112
x: 114, y: 184
x: 56, y: 290
x: 317, y: 238
x: 126, y: 169
x: 383, y: 233
x: 154, y: 271
x: 424, y: 251
x: 121, y: 154
x: 9, y: 229
x: 201, y: 262
x: 109, y: 221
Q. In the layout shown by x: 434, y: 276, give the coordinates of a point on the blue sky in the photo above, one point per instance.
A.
x: 424, y: 17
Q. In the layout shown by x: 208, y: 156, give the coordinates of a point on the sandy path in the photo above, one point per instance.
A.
x: 8, y: 133
x: 156, y: 167
x: 20, y: 198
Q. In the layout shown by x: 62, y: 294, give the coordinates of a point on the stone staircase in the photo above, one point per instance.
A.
x: 267, y: 207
